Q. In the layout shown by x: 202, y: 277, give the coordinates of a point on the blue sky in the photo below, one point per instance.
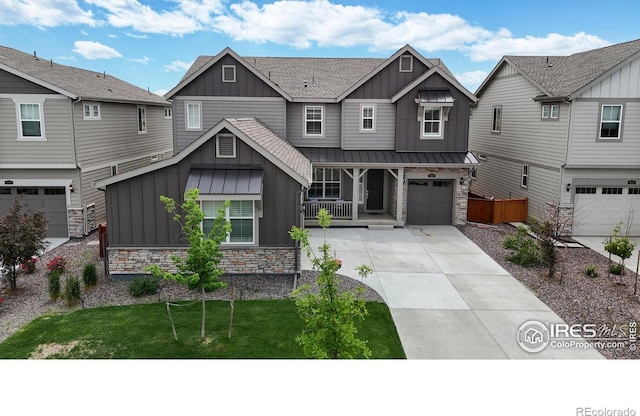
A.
x: 151, y: 43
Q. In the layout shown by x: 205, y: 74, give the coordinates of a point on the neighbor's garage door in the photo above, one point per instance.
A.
x: 597, y: 210
x: 429, y: 202
x: 52, y: 199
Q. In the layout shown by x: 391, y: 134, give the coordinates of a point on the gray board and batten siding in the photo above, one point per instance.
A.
x: 143, y: 221
x: 456, y: 129
x: 13, y: 84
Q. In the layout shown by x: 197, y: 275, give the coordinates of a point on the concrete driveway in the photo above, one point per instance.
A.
x: 447, y: 297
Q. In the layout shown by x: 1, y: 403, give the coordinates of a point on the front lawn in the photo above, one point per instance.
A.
x: 261, y: 329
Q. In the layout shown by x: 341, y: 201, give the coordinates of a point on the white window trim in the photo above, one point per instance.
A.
x: 186, y: 115
x: 91, y: 115
x: 545, y: 114
x: 609, y: 121
x: 304, y: 121
x: 557, y: 107
x: 373, y: 118
x: 254, y: 219
x: 403, y: 57
x: 28, y: 100
x: 493, y: 112
x: 524, y: 177
x: 142, y: 130
x: 224, y: 67
x: 225, y: 135
x: 440, y: 121
x: 360, y: 189
x: 170, y: 113
x: 324, y: 185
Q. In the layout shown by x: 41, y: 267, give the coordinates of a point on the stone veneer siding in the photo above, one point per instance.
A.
x: 76, y: 221
x: 255, y: 260
x: 461, y: 191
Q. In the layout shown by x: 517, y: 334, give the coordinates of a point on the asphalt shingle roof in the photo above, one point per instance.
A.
x: 79, y: 82
x: 284, y: 151
x: 565, y: 75
x: 325, y: 77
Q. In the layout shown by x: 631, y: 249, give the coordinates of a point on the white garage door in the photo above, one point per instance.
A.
x: 597, y: 210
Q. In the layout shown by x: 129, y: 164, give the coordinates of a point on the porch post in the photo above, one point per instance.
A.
x: 355, y: 180
x: 400, y: 194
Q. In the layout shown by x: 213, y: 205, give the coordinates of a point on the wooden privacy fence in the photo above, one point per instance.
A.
x: 496, y: 211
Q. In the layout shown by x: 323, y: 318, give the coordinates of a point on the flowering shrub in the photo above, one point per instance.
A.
x: 58, y: 264
x: 29, y: 266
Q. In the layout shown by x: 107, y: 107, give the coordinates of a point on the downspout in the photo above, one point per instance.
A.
x: 297, y: 262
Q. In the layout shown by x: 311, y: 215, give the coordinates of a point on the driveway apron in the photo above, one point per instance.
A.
x: 447, y: 297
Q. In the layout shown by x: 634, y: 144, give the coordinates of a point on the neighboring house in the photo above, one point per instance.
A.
x: 63, y: 128
x: 564, y: 131
x: 374, y: 141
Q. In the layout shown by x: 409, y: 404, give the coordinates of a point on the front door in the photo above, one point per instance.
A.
x: 375, y: 189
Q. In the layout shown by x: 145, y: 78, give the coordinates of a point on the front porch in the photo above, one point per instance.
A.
x: 342, y: 220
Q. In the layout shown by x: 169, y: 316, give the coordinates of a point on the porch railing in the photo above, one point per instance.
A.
x: 339, y: 210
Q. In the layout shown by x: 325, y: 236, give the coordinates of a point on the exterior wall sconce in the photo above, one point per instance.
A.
x: 568, y: 187
x: 70, y: 188
x: 461, y: 181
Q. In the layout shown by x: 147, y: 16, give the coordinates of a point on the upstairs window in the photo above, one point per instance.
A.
x: 91, y: 112
x: 550, y: 111
x: 406, y: 63
x: 228, y: 73
x: 167, y: 112
x: 610, y: 122
x: 142, y: 120
x: 30, y: 116
x: 496, y: 119
x: 524, y: 181
x: 313, y: 120
x: 432, y: 122
x: 192, y: 115
x: 367, y: 120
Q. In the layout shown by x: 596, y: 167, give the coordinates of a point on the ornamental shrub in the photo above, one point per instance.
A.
x: 29, y: 266
x: 591, y: 270
x: 72, y: 291
x: 54, y: 285
x: 525, y: 251
x: 144, y: 285
x: 57, y: 263
x: 89, y: 275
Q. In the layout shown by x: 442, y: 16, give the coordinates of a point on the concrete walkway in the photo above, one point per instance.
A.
x: 447, y: 297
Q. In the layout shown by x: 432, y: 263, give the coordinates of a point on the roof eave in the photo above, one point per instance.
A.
x: 426, y: 75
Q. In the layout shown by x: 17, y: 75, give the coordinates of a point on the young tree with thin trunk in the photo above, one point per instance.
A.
x: 199, y: 270
x: 23, y: 235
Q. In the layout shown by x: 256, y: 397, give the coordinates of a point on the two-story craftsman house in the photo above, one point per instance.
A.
x: 374, y: 141
x: 62, y: 128
x: 564, y: 131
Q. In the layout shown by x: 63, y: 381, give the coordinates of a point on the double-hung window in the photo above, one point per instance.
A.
x: 91, y: 112
x: 241, y: 215
x: 496, y: 119
x: 432, y: 122
x: 142, y: 120
x: 550, y: 111
x: 30, y: 121
x: 313, y: 120
x: 193, y: 116
x: 367, y: 123
x: 610, y: 122
x: 325, y: 184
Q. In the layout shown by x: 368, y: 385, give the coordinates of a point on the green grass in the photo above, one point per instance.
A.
x: 261, y: 329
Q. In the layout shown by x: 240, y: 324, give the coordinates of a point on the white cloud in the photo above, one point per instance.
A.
x: 178, y: 66
x: 187, y: 16
x: 136, y: 35
x: 161, y: 92
x: 44, y: 13
x: 144, y: 60
x: 502, y: 43
x: 472, y: 80
x: 95, y: 50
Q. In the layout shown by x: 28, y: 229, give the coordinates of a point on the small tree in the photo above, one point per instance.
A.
x: 22, y: 236
x: 199, y: 270
x: 329, y: 315
x: 620, y: 246
x: 547, y: 233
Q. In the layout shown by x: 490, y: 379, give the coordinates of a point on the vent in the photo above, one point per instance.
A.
x: 226, y: 146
